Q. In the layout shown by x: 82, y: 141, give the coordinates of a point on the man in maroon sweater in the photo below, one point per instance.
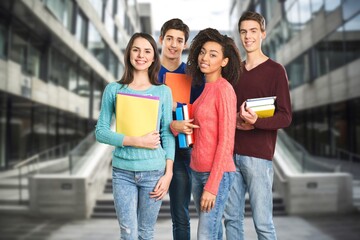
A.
x: 255, y: 137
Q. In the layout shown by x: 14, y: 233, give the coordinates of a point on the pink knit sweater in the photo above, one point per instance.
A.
x: 215, y: 112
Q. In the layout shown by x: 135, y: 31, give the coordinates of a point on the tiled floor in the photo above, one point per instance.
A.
x: 17, y: 227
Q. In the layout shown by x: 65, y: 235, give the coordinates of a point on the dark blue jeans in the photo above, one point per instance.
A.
x: 180, y: 194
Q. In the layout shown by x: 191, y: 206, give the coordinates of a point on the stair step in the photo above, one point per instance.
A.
x: 104, y: 207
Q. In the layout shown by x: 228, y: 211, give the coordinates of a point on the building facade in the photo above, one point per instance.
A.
x: 318, y: 42
x: 56, y: 56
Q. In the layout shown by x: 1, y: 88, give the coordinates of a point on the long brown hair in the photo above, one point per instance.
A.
x: 154, y: 68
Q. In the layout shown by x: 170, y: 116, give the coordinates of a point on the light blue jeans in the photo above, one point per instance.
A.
x: 136, y: 211
x: 209, y: 226
x: 254, y: 175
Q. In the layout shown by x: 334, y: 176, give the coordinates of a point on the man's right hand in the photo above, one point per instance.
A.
x: 241, y: 124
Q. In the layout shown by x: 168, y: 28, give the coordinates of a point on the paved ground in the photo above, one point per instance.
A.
x: 18, y: 227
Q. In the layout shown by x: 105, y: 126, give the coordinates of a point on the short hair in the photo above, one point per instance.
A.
x: 249, y: 15
x: 231, y: 72
x: 176, y: 24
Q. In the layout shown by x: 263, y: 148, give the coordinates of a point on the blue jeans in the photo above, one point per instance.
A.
x: 209, y: 227
x: 254, y: 175
x: 136, y: 211
x: 180, y: 194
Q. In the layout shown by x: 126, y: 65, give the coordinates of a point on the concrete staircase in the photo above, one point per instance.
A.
x: 104, y: 207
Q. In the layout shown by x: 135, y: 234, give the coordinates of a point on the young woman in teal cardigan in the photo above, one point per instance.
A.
x: 142, y: 167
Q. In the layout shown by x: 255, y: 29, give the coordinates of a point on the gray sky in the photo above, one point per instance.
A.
x: 197, y: 14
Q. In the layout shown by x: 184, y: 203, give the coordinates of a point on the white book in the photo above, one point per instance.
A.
x: 253, y: 102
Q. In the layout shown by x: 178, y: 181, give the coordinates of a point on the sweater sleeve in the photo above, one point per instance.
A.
x: 167, y: 138
x: 103, y: 132
x: 282, y: 116
x: 226, y: 111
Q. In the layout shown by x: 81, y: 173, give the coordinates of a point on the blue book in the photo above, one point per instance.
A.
x: 181, y: 136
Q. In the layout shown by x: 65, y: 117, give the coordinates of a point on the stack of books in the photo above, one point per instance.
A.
x: 184, y: 113
x: 264, y: 107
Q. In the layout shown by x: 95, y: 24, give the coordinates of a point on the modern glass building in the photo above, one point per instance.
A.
x: 56, y: 56
x: 318, y: 42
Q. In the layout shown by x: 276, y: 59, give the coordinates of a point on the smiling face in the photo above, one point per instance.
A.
x: 251, y: 36
x: 173, y: 43
x: 141, y: 54
x: 211, y: 60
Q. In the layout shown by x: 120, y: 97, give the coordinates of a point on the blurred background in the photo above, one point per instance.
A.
x: 56, y: 57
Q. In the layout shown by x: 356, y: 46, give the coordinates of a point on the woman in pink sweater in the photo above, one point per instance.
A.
x: 215, y: 57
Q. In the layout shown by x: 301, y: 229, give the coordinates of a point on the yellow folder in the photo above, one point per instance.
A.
x: 136, y: 115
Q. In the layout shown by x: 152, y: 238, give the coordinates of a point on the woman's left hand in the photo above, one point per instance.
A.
x: 207, y: 201
x: 161, y: 187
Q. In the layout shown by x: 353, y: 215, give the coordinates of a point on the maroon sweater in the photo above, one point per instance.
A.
x: 265, y: 80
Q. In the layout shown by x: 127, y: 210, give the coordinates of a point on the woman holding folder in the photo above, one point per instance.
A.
x: 215, y: 57
x: 142, y: 167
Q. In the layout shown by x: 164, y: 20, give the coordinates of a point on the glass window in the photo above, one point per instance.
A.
x: 33, y: 62
x: 299, y: 71
x: 293, y: 19
x: 110, y: 25
x: 339, y: 127
x: 270, y: 5
x: 96, y: 45
x: 63, y: 10
x: 335, y: 44
x: 121, y: 9
x: 320, y: 131
x: 98, y: 6
x: 98, y: 89
x: 18, y: 50
x: 81, y: 28
x: 73, y: 79
x: 2, y: 41
x: 332, y: 5
x: 316, y: 6
x: 40, y: 134
x: 84, y: 86
x: 352, y: 39
x: 321, y: 59
x: 52, y: 127
x: 355, y: 104
x: 113, y: 63
x: 20, y: 129
x: 305, y: 12
x: 3, y: 142
x: 350, y: 7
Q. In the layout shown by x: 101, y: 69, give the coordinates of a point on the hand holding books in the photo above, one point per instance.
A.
x: 255, y: 108
x: 185, y: 126
x: 264, y: 107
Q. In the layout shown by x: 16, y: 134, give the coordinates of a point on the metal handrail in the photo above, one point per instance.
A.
x: 350, y: 157
x: 35, y: 159
x: 79, y: 152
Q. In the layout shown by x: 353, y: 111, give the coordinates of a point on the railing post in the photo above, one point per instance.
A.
x: 70, y: 164
x: 20, y: 186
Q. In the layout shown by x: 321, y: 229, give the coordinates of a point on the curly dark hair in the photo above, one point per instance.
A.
x: 231, y: 72
x: 154, y: 69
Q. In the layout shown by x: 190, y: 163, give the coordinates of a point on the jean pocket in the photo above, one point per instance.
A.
x: 154, y: 175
